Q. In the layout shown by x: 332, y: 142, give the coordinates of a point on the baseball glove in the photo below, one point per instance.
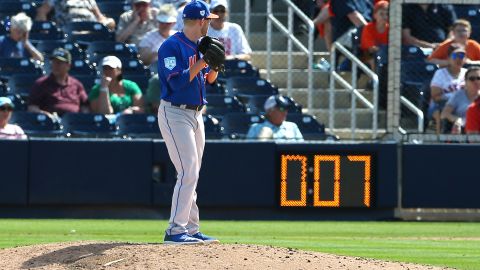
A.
x: 213, y: 53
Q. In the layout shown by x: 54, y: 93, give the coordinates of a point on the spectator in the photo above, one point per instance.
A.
x: 115, y: 94
x: 73, y: 11
x: 348, y: 15
x: 135, y: 23
x: 275, y: 126
x: 150, y: 43
x: 17, y: 43
x: 58, y: 93
x: 426, y: 25
x: 461, y: 35
x: 180, y: 4
x: 375, y: 33
x: 8, y: 131
x: 323, y: 22
x: 152, y: 97
x: 231, y: 34
x: 447, y: 81
x: 455, y: 110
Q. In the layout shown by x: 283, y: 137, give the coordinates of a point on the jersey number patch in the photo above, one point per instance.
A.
x: 170, y: 62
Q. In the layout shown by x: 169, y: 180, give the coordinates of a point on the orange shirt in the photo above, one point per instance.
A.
x: 371, y: 37
x: 473, y: 117
x: 441, y: 52
x: 380, y: 0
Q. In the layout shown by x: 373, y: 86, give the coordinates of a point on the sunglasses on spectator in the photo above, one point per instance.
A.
x: 6, y: 109
x: 474, y: 78
x: 458, y: 55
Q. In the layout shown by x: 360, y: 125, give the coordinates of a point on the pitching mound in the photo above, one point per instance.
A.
x: 95, y: 255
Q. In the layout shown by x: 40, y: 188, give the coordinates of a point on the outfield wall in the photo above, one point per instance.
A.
x: 85, y: 172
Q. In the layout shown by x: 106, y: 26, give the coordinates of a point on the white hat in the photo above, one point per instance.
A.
x: 6, y: 101
x: 167, y: 14
x: 276, y: 101
x: 137, y: 1
x: 112, y: 61
x: 216, y: 3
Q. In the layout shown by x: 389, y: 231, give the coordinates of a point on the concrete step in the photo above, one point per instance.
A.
x: 360, y: 134
x: 280, y: 59
x: 279, y: 77
x: 258, y: 42
x: 321, y: 98
x: 257, y: 6
x: 342, y: 118
x: 258, y: 21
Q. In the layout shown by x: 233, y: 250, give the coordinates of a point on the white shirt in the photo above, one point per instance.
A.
x: 232, y: 37
x: 153, y: 40
x: 12, y: 132
x: 449, y: 84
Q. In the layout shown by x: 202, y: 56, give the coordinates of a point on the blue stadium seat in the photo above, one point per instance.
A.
x: 87, y: 125
x: 82, y: 67
x: 236, y: 125
x: 114, y: 9
x: 215, y: 88
x: 218, y: 105
x: 10, y: 66
x: 238, y: 68
x: 138, y: 126
x: 310, y: 128
x: 88, y: 81
x: 21, y: 84
x: 213, y: 130
x: 140, y: 79
x: 98, y: 49
x: 134, y: 67
x: 255, y: 103
x: 12, y: 7
x: 46, y: 31
x: 412, y: 54
x: 47, y: 47
x: 86, y: 32
x: 469, y: 12
x: 36, y: 124
x: 417, y: 72
x: 240, y: 86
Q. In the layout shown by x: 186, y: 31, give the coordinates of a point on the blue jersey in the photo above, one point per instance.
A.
x: 175, y: 57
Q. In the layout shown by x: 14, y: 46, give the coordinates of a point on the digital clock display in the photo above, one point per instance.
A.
x: 326, y: 180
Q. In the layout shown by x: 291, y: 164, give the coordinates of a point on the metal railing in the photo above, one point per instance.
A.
x: 415, y: 110
x: 292, y: 40
x: 352, y: 87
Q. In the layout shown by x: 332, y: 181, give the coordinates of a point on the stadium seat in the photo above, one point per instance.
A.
x: 47, y: 47
x: 213, y: 130
x: 255, y: 103
x: 310, y: 128
x: 214, y: 88
x: 88, y: 81
x: 12, y: 7
x: 138, y: 126
x: 10, y: 66
x: 412, y: 54
x: 85, y: 32
x: 240, y: 86
x: 417, y: 72
x: 238, y: 68
x: 87, y: 125
x: 19, y: 102
x: 218, y: 105
x: 82, y: 67
x: 98, y: 49
x: 36, y: 124
x: 140, y: 79
x: 236, y: 125
x: 3, y: 29
x: 134, y: 67
x: 469, y: 12
x: 4, y: 89
x: 114, y: 9
x: 21, y: 84
x: 46, y: 31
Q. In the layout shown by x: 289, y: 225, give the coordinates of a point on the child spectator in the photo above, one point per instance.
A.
x: 17, y: 43
x: 115, y: 94
x: 447, y: 81
x: 455, y: 110
x: 135, y: 23
x: 375, y: 34
x: 8, y: 131
x: 461, y: 34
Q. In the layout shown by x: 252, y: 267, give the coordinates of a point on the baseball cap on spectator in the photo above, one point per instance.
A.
x: 380, y: 5
x: 278, y: 101
x: 112, y: 61
x: 197, y: 10
x: 138, y: 1
x: 216, y: 3
x: 62, y: 55
x: 6, y: 101
x: 167, y: 14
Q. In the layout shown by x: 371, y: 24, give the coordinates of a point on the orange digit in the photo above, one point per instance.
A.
x: 284, y: 201
x: 366, y: 159
x: 336, y: 184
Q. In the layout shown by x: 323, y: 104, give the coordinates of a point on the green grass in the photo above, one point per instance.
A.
x: 443, y: 244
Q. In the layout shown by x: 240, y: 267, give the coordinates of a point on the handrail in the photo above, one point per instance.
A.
x: 415, y: 110
x: 334, y: 76
x: 292, y: 40
x: 247, y: 19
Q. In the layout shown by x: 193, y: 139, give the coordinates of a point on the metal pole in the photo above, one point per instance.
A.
x: 269, y: 40
x: 310, y: 66
x: 353, y: 114
x: 290, y: 30
x: 247, y: 19
x: 331, y: 91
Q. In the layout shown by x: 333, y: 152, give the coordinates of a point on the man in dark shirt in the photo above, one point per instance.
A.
x: 426, y: 25
x: 58, y: 93
x: 349, y: 14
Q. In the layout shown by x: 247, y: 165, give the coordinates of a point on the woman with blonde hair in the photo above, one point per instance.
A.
x: 17, y: 44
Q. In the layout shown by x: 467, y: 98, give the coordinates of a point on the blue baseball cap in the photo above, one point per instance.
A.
x: 197, y: 10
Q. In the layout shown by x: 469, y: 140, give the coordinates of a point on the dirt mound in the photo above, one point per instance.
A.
x: 112, y: 255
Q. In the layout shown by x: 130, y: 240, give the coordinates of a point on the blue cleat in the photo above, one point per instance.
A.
x: 181, y: 239
x: 205, y: 238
